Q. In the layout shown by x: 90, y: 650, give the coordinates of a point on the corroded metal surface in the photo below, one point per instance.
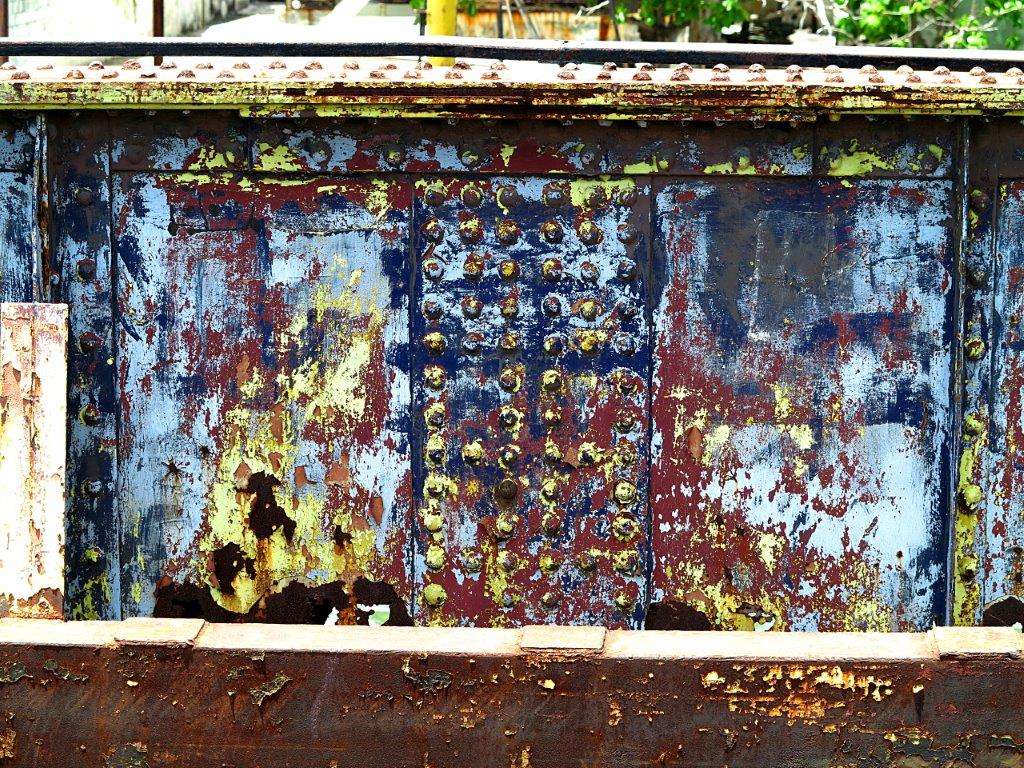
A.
x: 801, y: 402
x: 482, y: 88
x: 153, y: 694
x: 33, y: 370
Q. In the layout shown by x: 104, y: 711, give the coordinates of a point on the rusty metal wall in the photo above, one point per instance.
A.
x: 496, y: 373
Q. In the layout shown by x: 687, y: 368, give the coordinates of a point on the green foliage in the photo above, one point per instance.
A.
x: 973, y: 24
x: 676, y: 14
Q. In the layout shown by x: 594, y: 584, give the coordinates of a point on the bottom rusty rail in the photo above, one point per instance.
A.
x: 184, y: 693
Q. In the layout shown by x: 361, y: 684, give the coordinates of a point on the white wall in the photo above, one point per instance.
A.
x: 111, y: 19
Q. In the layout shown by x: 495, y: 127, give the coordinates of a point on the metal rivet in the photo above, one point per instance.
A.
x: 509, y: 342
x: 508, y: 197
x: 434, y: 376
x: 552, y: 306
x: 505, y: 525
x: 510, y: 379
x: 433, y: 269
x: 83, y: 196
x: 627, y: 233
x: 434, y: 595
x: 471, y: 231
x: 554, y: 344
x: 551, y: 380
x: 589, y: 271
x: 549, y: 600
x: 86, y: 269
x: 91, y: 415
x: 549, y: 489
x: 552, y: 453
x: 551, y: 524
x: 509, y: 418
x: 434, y: 557
x: 434, y: 415
x: 509, y: 308
x: 89, y: 342
x: 554, y: 195
x: 625, y: 562
x: 507, y: 232
x: 472, y: 307
x: 552, y: 270
x: 92, y: 488
x: 552, y: 231
x: 508, y: 269
x: 509, y: 455
x: 472, y: 342
x: 435, y: 343
x: 974, y: 348
x: 591, y: 342
x: 473, y: 453
x: 624, y: 344
x: 589, y: 309
x: 433, y: 231
x: 434, y: 196
x: 625, y: 492
x: 552, y: 417
x: 433, y: 521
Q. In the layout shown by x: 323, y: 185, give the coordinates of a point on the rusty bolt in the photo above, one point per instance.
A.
x: 471, y: 562
x: 552, y: 231
x: 626, y: 196
x: 435, y: 343
x: 554, y: 344
x: 549, y: 490
x: 589, y: 454
x: 977, y: 276
x: 89, y: 342
x: 471, y: 231
x: 625, y: 562
x: 554, y: 195
x: 474, y: 267
x: 508, y: 456
x: 431, y: 309
x: 552, y: 417
x: 435, y: 451
x: 627, y: 234
x: 433, y: 521
x: 552, y: 453
x: 591, y: 342
x: 549, y: 600
x: 589, y: 309
x: 625, y: 423
x: 623, y: 602
x: 626, y: 270
x: 586, y: 562
x: 509, y: 308
x: 472, y: 307
x: 393, y: 156
x: 548, y: 564
x: 552, y: 305
x: 434, y: 196
x: 434, y: 595
x: 509, y: 418
x: 434, y: 376
x: 434, y: 557
x: 471, y: 196
x: 510, y: 379
x: 551, y: 523
x: 86, y: 268
x: 473, y: 453
x: 507, y: 232
x: 83, y: 196
x: 508, y: 343
x: 624, y: 528
x: 90, y: 415
x: 971, y: 495
x: 506, y: 561
x: 974, y: 348
x: 508, y: 197
x: 434, y: 415
x: 505, y: 524
x: 433, y: 231
x: 552, y: 270
x: 974, y: 424
x: 979, y: 201
x: 624, y: 344
x: 508, y: 269
x: 589, y: 271
x: 551, y: 380
x: 977, y: 72
x: 470, y: 159
x: 472, y: 343
x: 433, y: 269
x: 627, y: 386
x: 625, y: 492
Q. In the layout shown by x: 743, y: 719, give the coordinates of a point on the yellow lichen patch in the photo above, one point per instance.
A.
x: 856, y: 162
x: 277, y: 157
x: 581, y: 190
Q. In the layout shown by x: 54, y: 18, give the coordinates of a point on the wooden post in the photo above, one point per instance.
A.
x: 33, y: 429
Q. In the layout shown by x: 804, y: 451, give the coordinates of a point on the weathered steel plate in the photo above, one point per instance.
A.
x: 802, y: 419
x: 531, y: 400
x: 263, y: 369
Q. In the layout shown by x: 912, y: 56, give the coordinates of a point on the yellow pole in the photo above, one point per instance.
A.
x: 441, y: 15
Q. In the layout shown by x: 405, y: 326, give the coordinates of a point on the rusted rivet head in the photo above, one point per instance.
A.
x: 554, y: 344
x: 433, y: 231
x: 132, y: 64
x: 506, y: 562
x: 499, y: 66
x: 471, y: 561
x: 679, y: 74
x: 92, y: 488
x: 435, y: 451
x: 624, y: 528
x: 624, y: 344
x: 434, y: 415
x: 551, y: 305
x: 187, y: 74
x: 86, y: 268
x: 74, y: 74
x: 509, y: 307
x: 508, y: 269
x: 604, y: 75
x: 977, y: 72
x: 473, y: 267
x: 89, y: 342
x: 609, y: 66
x: 588, y: 454
x: 434, y: 595
x: 509, y: 418
x: 95, y: 65
x: 554, y: 195
x: 974, y: 348
x: 549, y: 600
x: 90, y: 415
x: 434, y: 557
x: 490, y: 75
x: 433, y: 269
x: 625, y: 492
x: 434, y: 376
x: 551, y: 270
x: 979, y: 201
x: 435, y: 343
x: 941, y: 71
x: 551, y: 524
x: 566, y: 74
x: 225, y: 74
x: 471, y: 231
x: 549, y: 490
x: 393, y: 156
x: 627, y: 234
x: 904, y: 69
x: 641, y: 76
x: 626, y: 270
x: 507, y: 232
x: 453, y: 74
x: 508, y: 456
x: 552, y: 231
x: 596, y: 197
x: 471, y: 196
x: 551, y: 380
x: 505, y: 525
x: 473, y: 453
x: 435, y: 486
x: 472, y: 343
x: 510, y: 379
x: 589, y: 309
x: 987, y: 79
x: 509, y: 342
x: 83, y: 196
x: 977, y: 276
x: 352, y: 66
x: 625, y: 562
x: 470, y: 159
x: 869, y: 69
x: 625, y: 423
x: 434, y: 196
x: 974, y: 424
x: 433, y: 521
x: 508, y: 197
x: 551, y: 417
x: 589, y: 232
x: 586, y: 562
x: 552, y: 453
x: 432, y: 309
x: 971, y: 495
x: 645, y: 66
x: 623, y: 602
x: 20, y: 75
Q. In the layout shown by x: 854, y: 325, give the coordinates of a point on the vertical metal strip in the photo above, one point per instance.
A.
x: 40, y: 211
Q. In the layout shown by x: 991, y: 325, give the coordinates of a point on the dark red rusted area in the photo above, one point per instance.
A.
x: 156, y: 694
